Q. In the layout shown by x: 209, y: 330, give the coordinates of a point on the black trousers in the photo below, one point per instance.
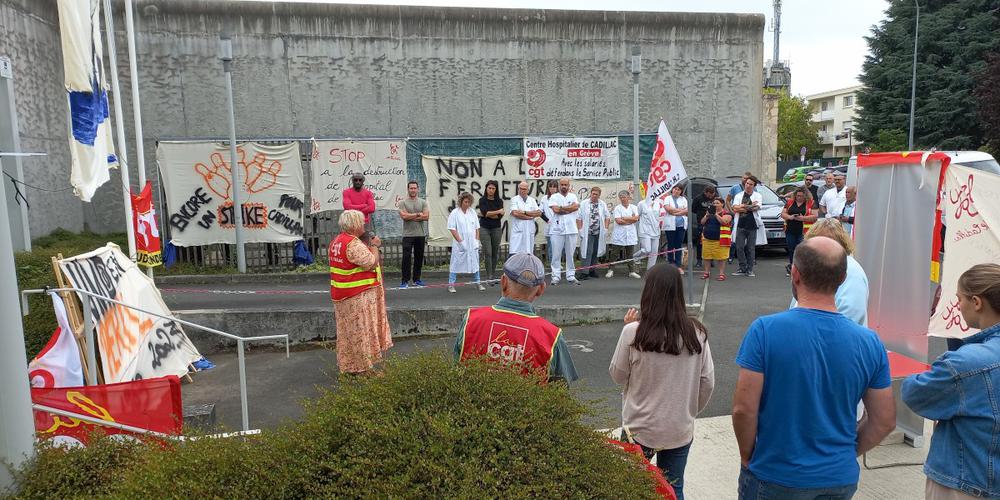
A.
x: 414, y: 244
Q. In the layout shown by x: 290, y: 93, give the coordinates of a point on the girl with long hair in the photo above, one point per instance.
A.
x: 665, y: 367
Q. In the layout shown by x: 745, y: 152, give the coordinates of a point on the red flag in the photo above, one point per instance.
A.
x: 153, y: 404
x: 147, y: 234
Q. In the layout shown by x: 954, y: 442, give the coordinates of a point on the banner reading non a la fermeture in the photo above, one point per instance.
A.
x: 383, y: 163
x: 147, y: 233
x: 133, y: 345
x: 153, y: 404
x: 198, y: 180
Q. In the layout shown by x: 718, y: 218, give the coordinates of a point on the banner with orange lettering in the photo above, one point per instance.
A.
x: 132, y: 345
x: 153, y: 404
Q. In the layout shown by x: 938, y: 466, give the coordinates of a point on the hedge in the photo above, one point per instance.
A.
x: 426, y: 429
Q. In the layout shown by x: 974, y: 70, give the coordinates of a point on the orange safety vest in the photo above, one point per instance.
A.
x: 347, y: 279
x: 805, y: 225
x: 511, y: 338
x: 725, y: 234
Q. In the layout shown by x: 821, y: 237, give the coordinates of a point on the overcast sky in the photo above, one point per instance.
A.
x: 823, y: 40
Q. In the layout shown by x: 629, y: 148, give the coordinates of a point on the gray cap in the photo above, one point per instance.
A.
x: 525, y: 269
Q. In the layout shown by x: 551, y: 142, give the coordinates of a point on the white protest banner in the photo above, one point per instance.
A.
x: 573, y: 157
x: 197, y: 178
x: 383, y: 163
x: 133, y: 345
x: 971, y: 203
x: 667, y: 169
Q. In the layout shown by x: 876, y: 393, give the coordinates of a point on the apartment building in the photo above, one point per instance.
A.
x: 834, y: 111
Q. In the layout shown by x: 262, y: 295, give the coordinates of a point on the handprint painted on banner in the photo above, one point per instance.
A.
x: 217, y: 176
x: 259, y: 174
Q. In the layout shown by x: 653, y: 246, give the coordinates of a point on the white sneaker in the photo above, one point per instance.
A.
x: 482, y: 288
x: 555, y: 282
x: 451, y: 289
x: 611, y: 273
x: 634, y: 275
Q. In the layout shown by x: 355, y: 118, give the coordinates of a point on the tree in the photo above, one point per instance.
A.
x: 987, y: 94
x: 954, y: 38
x: 794, y: 128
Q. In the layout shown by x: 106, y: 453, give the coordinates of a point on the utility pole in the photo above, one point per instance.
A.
x: 636, y: 69
x: 913, y: 87
x: 226, y: 54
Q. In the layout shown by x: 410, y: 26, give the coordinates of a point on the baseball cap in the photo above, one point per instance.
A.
x: 525, y: 269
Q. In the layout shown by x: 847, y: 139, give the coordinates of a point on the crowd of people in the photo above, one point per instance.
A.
x: 814, y: 389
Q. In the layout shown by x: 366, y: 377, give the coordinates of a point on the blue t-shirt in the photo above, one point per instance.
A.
x: 817, y: 365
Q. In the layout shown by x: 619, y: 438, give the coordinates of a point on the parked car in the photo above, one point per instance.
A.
x: 770, y: 212
x: 786, y: 190
x: 796, y: 174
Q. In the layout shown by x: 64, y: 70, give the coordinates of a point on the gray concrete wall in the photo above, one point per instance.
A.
x: 337, y: 70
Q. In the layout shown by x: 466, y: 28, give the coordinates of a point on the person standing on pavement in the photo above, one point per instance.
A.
x: 846, y: 216
x: 736, y: 189
x: 649, y: 231
x: 358, y: 296
x: 716, y: 238
x: 490, y: 229
x: 358, y: 197
x: 960, y: 393
x: 828, y: 185
x: 802, y: 374
x: 464, y: 226
x: 593, y: 221
x: 832, y: 202
x: 798, y: 216
x: 415, y: 214
x: 675, y: 224
x: 665, y: 365
x: 623, y: 235
x: 511, y: 333
x: 701, y: 205
x: 523, y: 212
x: 564, y: 206
x: 749, y: 226
x: 551, y: 188
x: 852, y: 294
x: 812, y: 188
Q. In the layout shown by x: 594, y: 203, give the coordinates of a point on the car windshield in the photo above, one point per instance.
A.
x: 990, y: 166
x: 767, y: 195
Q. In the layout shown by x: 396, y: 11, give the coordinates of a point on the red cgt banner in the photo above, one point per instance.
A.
x: 147, y: 234
x: 153, y: 404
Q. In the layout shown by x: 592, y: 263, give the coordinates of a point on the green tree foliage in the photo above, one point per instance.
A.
x: 794, y: 128
x: 987, y: 94
x: 954, y: 38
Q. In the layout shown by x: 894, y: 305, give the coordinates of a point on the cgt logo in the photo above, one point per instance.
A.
x: 660, y: 167
x: 507, y: 343
x: 536, y: 157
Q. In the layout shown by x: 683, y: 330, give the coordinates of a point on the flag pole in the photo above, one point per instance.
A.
x: 109, y: 25
x: 690, y: 244
x: 136, y: 107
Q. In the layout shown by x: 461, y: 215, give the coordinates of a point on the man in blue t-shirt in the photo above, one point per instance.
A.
x: 802, y: 373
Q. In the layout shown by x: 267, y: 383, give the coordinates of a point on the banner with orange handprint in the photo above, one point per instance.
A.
x: 198, y: 180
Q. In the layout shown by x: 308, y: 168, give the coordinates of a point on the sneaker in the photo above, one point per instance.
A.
x: 574, y: 282
x: 451, y: 289
x: 403, y: 286
x: 482, y: 288
x: 418, y: 283
x: 751, y: 275
x: 582, y: 277
x: 788, y: 271
x: 740, y: 273
x: 555, y: 282
x: 634, y: 275
x: 611, y: 274
x: 698, y: 264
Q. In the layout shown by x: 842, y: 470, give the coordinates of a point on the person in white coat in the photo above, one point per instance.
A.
x: 523, y: 212
x: 565, y: 234
x: 624, y: 235
x: 649, y: 231
x: 464, y: 226
x: 593, y: 222
x: 748, y: 225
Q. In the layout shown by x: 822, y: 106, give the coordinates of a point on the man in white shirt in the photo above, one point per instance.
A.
x: 564, y: 205
x: 623, y: 234
x: 833, y: 200
x: 523, y: 211
x: 846, y: 216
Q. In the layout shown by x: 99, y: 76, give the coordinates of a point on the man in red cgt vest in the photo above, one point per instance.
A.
x: 510, y: 332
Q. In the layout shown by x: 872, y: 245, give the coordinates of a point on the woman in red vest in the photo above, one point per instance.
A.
x: 358, y: 296
x: 799, y: 216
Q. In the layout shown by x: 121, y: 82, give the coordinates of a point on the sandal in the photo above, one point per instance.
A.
x: 722, y: 277
x: 705, y: 275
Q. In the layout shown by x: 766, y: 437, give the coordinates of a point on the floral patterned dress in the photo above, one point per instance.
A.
x: 362, y: 324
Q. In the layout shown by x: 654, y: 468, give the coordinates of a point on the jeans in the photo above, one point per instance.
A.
x: 792, y: 241
x: 592, y: 259
x: 746, y: 248
x: 490, y: 239
x: 453, y: 276
x: 621, y: 252
x: 563, y: 245
x: 672, y: 463
x: 751, y: 488
x: 414, y: 245
x: 675, y: 240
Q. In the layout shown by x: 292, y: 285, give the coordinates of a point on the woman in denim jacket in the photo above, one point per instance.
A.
x: 962, y: 392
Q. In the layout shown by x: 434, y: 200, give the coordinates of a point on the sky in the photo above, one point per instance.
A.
x: 823, y: 41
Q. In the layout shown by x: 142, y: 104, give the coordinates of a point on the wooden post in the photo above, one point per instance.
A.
x: 74, y: 314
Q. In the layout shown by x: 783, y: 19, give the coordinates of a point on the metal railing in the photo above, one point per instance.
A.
x: 88, y: 328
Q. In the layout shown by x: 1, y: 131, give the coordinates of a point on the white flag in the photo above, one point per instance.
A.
x: 58, y: 365
x: 667, y: 168
x: 90, y: 143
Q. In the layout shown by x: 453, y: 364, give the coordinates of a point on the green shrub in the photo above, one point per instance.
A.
x: 426, y: 429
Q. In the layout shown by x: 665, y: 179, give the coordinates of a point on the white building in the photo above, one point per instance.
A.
x: 834, y: 111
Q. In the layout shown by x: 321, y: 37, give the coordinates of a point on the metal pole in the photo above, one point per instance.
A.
x: 17, y: 426
x: 140, y: 153
x: 109, y: 22
x: 690, y: 246
x: 243, y: 385
x: 11, y: 140
x: 88, y: 333
x: 227, y: 68
x: 636, y: 69
x: 913, y: 87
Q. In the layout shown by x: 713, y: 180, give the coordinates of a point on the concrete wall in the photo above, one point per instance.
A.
x: 338, y: 70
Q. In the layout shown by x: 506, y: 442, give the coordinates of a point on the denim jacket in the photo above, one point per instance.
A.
x: 962, y: 392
